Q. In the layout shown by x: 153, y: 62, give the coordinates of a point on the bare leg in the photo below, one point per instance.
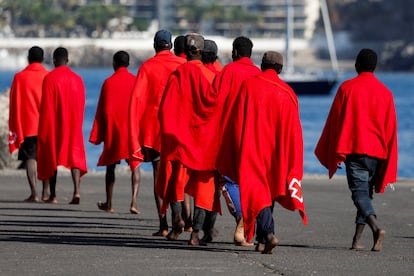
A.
x: 135, y: 183
x: 109, y: 187
x: 163, y: 230
x: 76, y: 186
x: 31, y: 173
x: 198, y: 222
x: 177, y: 221
x: 378, y: 234
x: 186, y: 213
x: 359, y: 228
x: 45, y: 192
x: 52, y: 187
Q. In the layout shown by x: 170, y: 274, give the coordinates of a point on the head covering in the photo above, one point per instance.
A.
x: 210, y: 46
x: 272, y: 57
x: 194, y: 42
x: 162, y: 38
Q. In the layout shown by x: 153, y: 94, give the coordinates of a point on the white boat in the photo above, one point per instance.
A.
x: 306, y: 83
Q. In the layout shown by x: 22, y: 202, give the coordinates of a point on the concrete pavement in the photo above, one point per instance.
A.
x: 62, y: 239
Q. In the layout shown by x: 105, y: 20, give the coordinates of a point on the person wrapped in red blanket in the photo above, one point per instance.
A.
x: 189, y: 121
x: 144, y: 125
x: 262, y: 150
x: 110, y: 126
x: 361, y: 130
x: 25, y: 99
x: 60, y: 140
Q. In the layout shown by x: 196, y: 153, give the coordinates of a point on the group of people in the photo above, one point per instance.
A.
x: 209, y: 131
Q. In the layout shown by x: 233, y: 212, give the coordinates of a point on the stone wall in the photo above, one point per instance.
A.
x: 6, y: 160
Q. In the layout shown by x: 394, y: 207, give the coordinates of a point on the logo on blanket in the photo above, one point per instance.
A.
x: 12, y: 137
x: 295, y: 189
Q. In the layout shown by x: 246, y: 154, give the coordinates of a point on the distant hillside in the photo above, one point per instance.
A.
x: 387, y: 26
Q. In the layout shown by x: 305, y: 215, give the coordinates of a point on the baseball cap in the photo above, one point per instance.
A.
x: 272, y: 57
x: 162, y: 38
x: 194, y: 41
x: 210, y: 46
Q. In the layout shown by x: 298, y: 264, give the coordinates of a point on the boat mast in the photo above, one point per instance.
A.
x: 329, y: 36
x: 289, y: 36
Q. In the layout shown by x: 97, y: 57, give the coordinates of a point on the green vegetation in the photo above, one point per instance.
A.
x: 58, y: 18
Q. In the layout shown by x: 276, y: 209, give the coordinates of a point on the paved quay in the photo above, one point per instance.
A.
x: 63, y: 239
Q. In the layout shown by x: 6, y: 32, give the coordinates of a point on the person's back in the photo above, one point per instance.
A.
x: 111, y: 119
x: 189, y: 122
x: 110, y: 126
x: 25, y: 97
x: 363, y: 112
x: 365, y: 94
x: 60, y: 139
x: 67, y: 89
x: 197, y: 97
x: 24, y: 112
x: 264, y: 165
x: 228, y: 81
x: 144, y: 125
x: 361, y: 132
x: 146, y: 96
x: 227, y: 84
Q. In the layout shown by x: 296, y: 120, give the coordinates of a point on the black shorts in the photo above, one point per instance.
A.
x: 27, y: 149
x: 150, y: 155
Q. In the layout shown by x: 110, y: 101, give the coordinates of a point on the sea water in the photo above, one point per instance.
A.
x: 313, y: 112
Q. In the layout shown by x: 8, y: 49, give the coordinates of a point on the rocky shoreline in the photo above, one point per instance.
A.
x: 6, y: 160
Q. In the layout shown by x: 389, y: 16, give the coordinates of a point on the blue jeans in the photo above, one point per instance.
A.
x: 361, y: 171
x: 233, y: 191
x: 265, y: 224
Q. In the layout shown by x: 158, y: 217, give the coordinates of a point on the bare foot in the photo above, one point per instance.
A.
x: 160, y: 233
x: 188, y: 227
x: 134, y: 210
x: 196, y: 242
x: 45, y: 198
x: 259, y: 247
x: 356, y: 246
x: 52, y: 200
x: 244, y: 243
x: 271, y: 243
x: 176, y: 231
x: 104, y: 207
x: 75, y: 200
x: 32, y: 199
x: 378, y: 237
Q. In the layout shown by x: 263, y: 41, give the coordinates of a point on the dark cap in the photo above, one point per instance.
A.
x: 272, y: 57
x: 194, y: 42
x: 210, y: 46
x: 162, y: 38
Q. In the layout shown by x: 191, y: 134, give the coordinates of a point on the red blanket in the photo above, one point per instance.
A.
x: 189, y: 122
x: 189, y: 119
x: 111, y: 119
x: 144, y: 126
x: 350, y: 128
x: 60, y: 139
x: 25, y: 97
x: 262, y: 149
x: 228, y: 82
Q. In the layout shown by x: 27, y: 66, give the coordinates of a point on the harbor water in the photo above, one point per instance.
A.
x: 313, y: 111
